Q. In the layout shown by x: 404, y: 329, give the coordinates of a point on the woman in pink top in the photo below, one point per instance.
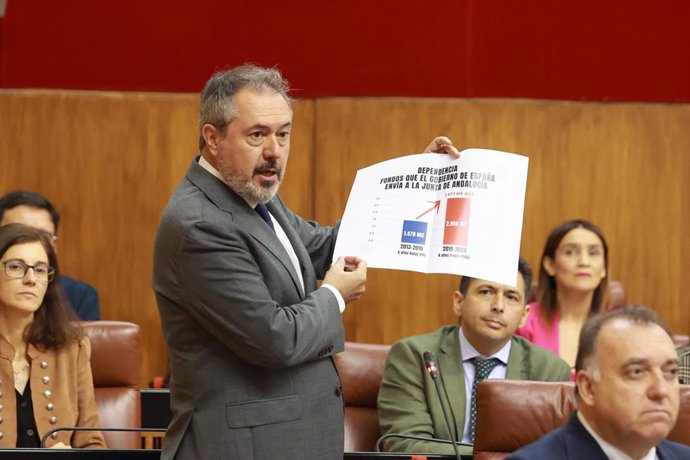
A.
x: 573, y: 280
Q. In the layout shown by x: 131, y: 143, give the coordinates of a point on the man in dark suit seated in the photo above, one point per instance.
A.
x: 482, y: 346
x: 627, y: 391
x: 34, y: 210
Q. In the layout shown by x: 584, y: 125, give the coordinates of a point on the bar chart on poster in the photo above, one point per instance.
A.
x: 432, y: 213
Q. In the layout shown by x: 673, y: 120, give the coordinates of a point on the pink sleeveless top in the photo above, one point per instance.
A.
x: 538, y: 332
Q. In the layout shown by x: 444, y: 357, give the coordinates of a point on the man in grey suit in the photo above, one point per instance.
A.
x: 249, y: 335
x: 482, y: 346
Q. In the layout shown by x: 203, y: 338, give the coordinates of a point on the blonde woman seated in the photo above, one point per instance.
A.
x: 573, y: 280
x: 45, y: 370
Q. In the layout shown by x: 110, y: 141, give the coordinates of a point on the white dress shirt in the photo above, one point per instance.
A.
x: 611, y: 451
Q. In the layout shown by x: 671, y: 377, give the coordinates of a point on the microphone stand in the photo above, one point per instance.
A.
x: 434, y: 372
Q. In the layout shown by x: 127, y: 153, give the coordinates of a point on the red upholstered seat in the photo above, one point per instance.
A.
x: 115, y: 364
x: 361, y: 369
x: 512, y: 414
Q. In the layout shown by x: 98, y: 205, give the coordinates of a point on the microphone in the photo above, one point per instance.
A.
x: 430, y: 362
x: 435, y: 373
x: 380, y: 440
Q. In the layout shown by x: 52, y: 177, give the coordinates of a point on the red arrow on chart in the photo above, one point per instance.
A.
x: 437, y: 204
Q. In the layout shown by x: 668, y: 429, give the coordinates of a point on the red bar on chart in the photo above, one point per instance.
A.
x: 457, y: 221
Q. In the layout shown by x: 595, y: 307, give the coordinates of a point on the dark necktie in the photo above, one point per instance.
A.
x: 262, y: 211
x: 482, y: 369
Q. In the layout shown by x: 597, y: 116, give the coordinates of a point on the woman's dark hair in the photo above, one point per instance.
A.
x: 548, y: 301
x: 53, y: 325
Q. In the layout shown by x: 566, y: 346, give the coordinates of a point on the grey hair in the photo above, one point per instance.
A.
x: 216, y: 106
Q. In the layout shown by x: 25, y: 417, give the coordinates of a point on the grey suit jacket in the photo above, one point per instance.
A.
x: 250, y: 355
x: 408, y: 402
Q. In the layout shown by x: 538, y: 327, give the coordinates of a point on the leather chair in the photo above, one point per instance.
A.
x: 617, y: 294
x: 115, y: 364
x: 361, y: 369
x: 512, y: 414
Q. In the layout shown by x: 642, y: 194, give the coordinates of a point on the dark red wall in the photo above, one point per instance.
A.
x: 637, y: 50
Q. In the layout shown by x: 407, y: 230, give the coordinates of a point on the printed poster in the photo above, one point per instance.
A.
x: 431, y: 213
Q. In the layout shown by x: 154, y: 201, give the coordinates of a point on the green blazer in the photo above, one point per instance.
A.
x: 408, y: 403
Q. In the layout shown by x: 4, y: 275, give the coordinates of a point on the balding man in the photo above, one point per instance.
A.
x: 627, y: 390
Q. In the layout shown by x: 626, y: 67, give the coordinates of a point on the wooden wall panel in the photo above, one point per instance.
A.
x: 623, y: 166
x: 109, y: 162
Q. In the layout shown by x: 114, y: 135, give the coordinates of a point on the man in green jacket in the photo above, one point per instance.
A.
x: 481, y: 346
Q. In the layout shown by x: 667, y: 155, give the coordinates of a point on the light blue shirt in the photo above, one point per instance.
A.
x: 468, y: 353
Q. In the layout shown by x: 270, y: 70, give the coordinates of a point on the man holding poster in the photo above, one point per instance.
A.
x: 250, y: 336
